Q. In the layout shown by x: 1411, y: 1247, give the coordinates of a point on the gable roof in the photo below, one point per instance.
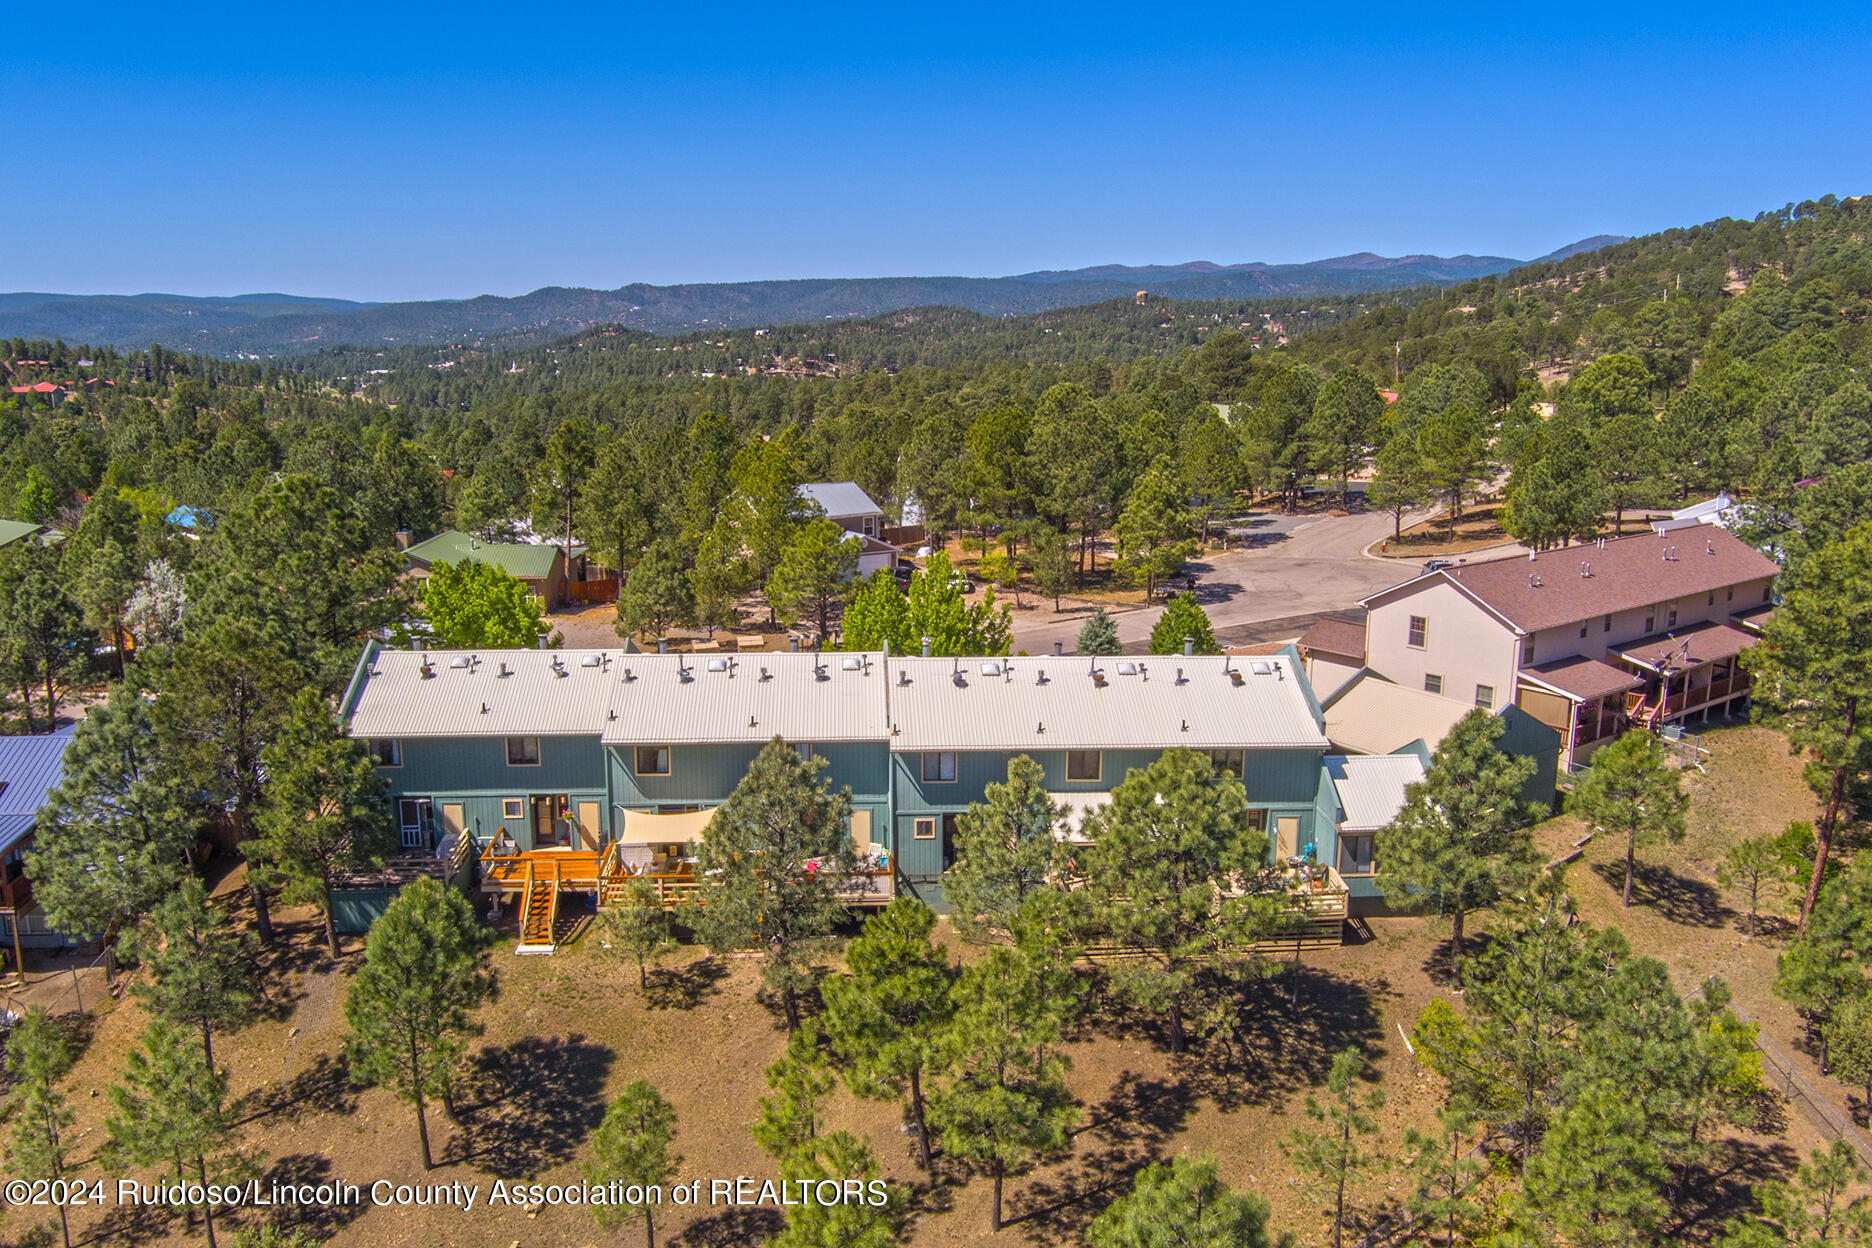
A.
x: 1373, y: 716
x: 1549, y: 590
x: 527, y: 562
x: 1580, y: 678
x: 674, y: 699
x: 1371, y: 787
x: 1198, y: 701
x: 30, y: 767
x: 1342, y: 634
x: 839, y: 498
x: 13, y: 530
x: 499, y: 693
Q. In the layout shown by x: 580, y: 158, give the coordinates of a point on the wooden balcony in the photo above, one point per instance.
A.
x: 604, y: 874
x: 16, y: 891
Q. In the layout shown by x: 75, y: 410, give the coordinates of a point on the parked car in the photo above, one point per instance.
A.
x: 1437, y: 565
x: 902, y: 574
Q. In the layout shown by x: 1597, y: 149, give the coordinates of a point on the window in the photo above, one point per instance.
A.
x: 1712, y: 599
x: 1229, y: 761
x: 1608, y: 625
x: 1257, y: 821
x: 1485, y: 697
x: 1083, y: 765
x: 1765, y: 592
x: 523, y: 751
x: 803, y: 750
x: 1729, y: 594
x: 513, y: 808
x: 1673, y: 616
x: 939, y: 768
x: 652, y: 760
x: 386, y: 753
x: 923, y: 829
x: 1432, y: 683
x: 1419, y: 630
x: 1527, y: 651
x: 1650, y: 620
x: 870, y: 523
x: 1355, y: 855
x: 1582, y: 628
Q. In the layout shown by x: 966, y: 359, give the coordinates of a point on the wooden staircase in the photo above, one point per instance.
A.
x: 539, y: 910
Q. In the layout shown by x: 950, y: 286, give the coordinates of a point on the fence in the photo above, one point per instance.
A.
x: 61, y: 991
x: 1803, y: 1096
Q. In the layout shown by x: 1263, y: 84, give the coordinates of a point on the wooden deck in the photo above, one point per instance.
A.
x: 537, y: 878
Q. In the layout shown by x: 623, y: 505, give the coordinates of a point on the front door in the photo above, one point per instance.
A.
x: 588, y: 830
x: 413, y: 822
x: 1286, y: 836
x: 453, y: 822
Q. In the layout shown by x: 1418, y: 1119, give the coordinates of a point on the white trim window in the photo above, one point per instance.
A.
x: 523, y: 751
x: 939, y: 767
x: 1419, y: 633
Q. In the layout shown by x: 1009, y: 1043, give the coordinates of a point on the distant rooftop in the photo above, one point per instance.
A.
x: 453, y: 546
x: 839, y: 498
x: 30, y: 767
x: 13, y: 530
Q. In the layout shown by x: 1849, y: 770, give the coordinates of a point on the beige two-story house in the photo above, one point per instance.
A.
x: 1588, y: 639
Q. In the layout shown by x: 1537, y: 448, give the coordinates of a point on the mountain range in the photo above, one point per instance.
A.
x: 259, y: 325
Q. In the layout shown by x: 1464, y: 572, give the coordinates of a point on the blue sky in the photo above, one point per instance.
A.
x: 396, y: 152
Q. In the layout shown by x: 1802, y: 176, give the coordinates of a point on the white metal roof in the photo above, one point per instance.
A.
x: 839, y: 498
x: 1137, y: 702
x: 690, y: 699
x: 1371, y: 787
x: 485, y: 693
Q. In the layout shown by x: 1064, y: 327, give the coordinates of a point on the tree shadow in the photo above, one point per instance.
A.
x: 526, y: 1106
x: 1725, y: 1186
x: 1442, y: 964
x: 324, y: 1086
x: 1128, y: 1131
x: 311, y: 1170
x: 1679, y: 899
x: 731, y: 1228
x: 685, y: 987
x: 133, y: 1223
x: 1768, y: 927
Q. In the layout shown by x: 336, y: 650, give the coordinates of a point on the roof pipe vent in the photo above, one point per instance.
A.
x: 1189, y: 645
x: 1059, y: 648
x: 1709, y: 547
x: 662, y: 645
x: 926, y: 647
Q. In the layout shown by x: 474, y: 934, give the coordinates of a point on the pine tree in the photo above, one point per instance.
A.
x: 870, y: 1221
x: 632, y: 1147
x: 1598, y: 1176
x: 1183, y: 618
x: 1050, y: 559
x: 1010, y: 1106
x: 1849, y: 1043
x: 1629, y: 791
x: 1336, y: 1152
x: 1813, y: 1208
x: 761, y: 893
x: 37, y: 1056
x: 1006, y: 851
x: 1183, y: 1204
x: 201, y: 966
x: 656, y: 594
x: 325, y: 813
x: 171, y: 1109
x: 815, y: 575
x: 1162, y: 874
x: 800, y: 1080
x: 639, y: 928
x: 1441, y: 1174
x: 1813, y: 673
x: 425, y: 967
x: 1098, y: 635
x: 113, y: 838
x: 1461, y: 839
x: 1755, y: 867
x: 888, y: 1015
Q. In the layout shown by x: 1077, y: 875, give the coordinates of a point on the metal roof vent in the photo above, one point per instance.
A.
x: 427, y: 669
x: 1260, y: 667
x: 764, y: 673
x: 590, y: 660
x: 851, y: 663
x: 459, y: 662
x: 991, y: 668
x: 1127, y: 668
x: 718, y: 665
x: 1041, y: 678
x: 504, y: 669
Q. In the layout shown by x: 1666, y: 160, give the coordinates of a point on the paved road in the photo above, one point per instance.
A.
x: 1303, y: 568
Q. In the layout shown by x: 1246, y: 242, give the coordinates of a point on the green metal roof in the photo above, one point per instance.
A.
x: 526, y: 562
x: 12, y: 530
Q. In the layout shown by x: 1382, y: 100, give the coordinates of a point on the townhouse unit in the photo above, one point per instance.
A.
x: 624, y: 757
x: 1589, y: 639
x: 30, y: 768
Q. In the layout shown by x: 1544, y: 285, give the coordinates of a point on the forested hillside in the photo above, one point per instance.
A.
x: 1731, y: 356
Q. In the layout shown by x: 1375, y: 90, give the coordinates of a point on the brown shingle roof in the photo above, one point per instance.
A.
x: 1627, y: 572
x: 1581, y: 678
x: 1706, y: 642
x: 1337, y: 634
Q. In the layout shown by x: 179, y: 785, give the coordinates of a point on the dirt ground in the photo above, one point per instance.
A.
x: 568, y: 1031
